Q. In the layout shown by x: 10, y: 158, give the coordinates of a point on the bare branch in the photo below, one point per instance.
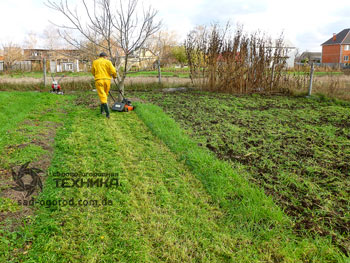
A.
x: 113, y: 26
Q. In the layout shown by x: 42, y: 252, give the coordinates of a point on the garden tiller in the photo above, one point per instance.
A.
x: 56, y: 87
x: 124, y: 105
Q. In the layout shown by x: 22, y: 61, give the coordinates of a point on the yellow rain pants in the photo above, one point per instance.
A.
x: 103, y: 86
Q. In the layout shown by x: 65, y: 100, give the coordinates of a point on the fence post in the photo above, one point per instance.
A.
x: 44, y: 68
x: 159, y: 72
x: 272, y: 76
x: 311, y: 77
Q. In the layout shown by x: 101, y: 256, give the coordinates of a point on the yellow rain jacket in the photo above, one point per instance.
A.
x: 103, y: 70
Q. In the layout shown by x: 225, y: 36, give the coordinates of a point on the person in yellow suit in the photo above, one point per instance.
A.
x: 103, y: 71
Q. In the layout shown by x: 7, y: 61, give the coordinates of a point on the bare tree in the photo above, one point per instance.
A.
x: 160, y: 44
x: 31, y: 40
x: 110, y: 26
x: 52, y: 38
x: 12, y: 54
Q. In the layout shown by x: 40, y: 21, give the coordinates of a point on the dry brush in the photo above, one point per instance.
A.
x: 236, y: 63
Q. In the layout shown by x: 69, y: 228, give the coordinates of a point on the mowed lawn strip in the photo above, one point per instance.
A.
x: 84, y: 233
x: 160, y: 213
x: 246, y: 206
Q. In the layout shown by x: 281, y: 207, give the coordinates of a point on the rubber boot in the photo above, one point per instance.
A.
x: 102, y: 109
x: 105, y: 106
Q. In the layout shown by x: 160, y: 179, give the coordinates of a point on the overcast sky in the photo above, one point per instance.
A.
x: 305, y: 23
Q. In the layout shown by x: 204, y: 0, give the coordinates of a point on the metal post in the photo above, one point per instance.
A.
x: 44, y: 68
x: 311, y: 77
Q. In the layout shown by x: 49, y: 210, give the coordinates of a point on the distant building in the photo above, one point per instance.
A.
x: 309, y: 57
x: 141, y: 59
x: 336, y: 50
x: 290, y: 53
x: 57, y: 60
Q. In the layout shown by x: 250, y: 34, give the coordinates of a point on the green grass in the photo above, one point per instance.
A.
x: 16, y: 107
x: 25, y: 120
x: 176, y: 202
x: 8, y: 205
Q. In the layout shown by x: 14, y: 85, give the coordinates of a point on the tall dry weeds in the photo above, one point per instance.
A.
x: 237, y: 63
x: 336, y: 86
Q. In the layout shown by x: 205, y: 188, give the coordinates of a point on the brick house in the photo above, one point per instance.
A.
x: 336, y: 50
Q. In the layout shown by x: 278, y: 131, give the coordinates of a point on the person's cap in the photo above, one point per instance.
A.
x: 103, y: 54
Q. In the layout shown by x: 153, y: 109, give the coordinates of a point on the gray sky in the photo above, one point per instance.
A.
x: 306, y: 23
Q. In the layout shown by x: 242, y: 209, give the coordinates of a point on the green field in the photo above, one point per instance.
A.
x: 175, y: 201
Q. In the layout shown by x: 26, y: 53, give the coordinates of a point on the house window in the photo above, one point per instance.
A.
x: 346, y: 58
x: 68, y: 66
x: 347, y: 47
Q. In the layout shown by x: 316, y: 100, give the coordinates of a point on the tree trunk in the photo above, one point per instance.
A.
x: 121, y: 89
